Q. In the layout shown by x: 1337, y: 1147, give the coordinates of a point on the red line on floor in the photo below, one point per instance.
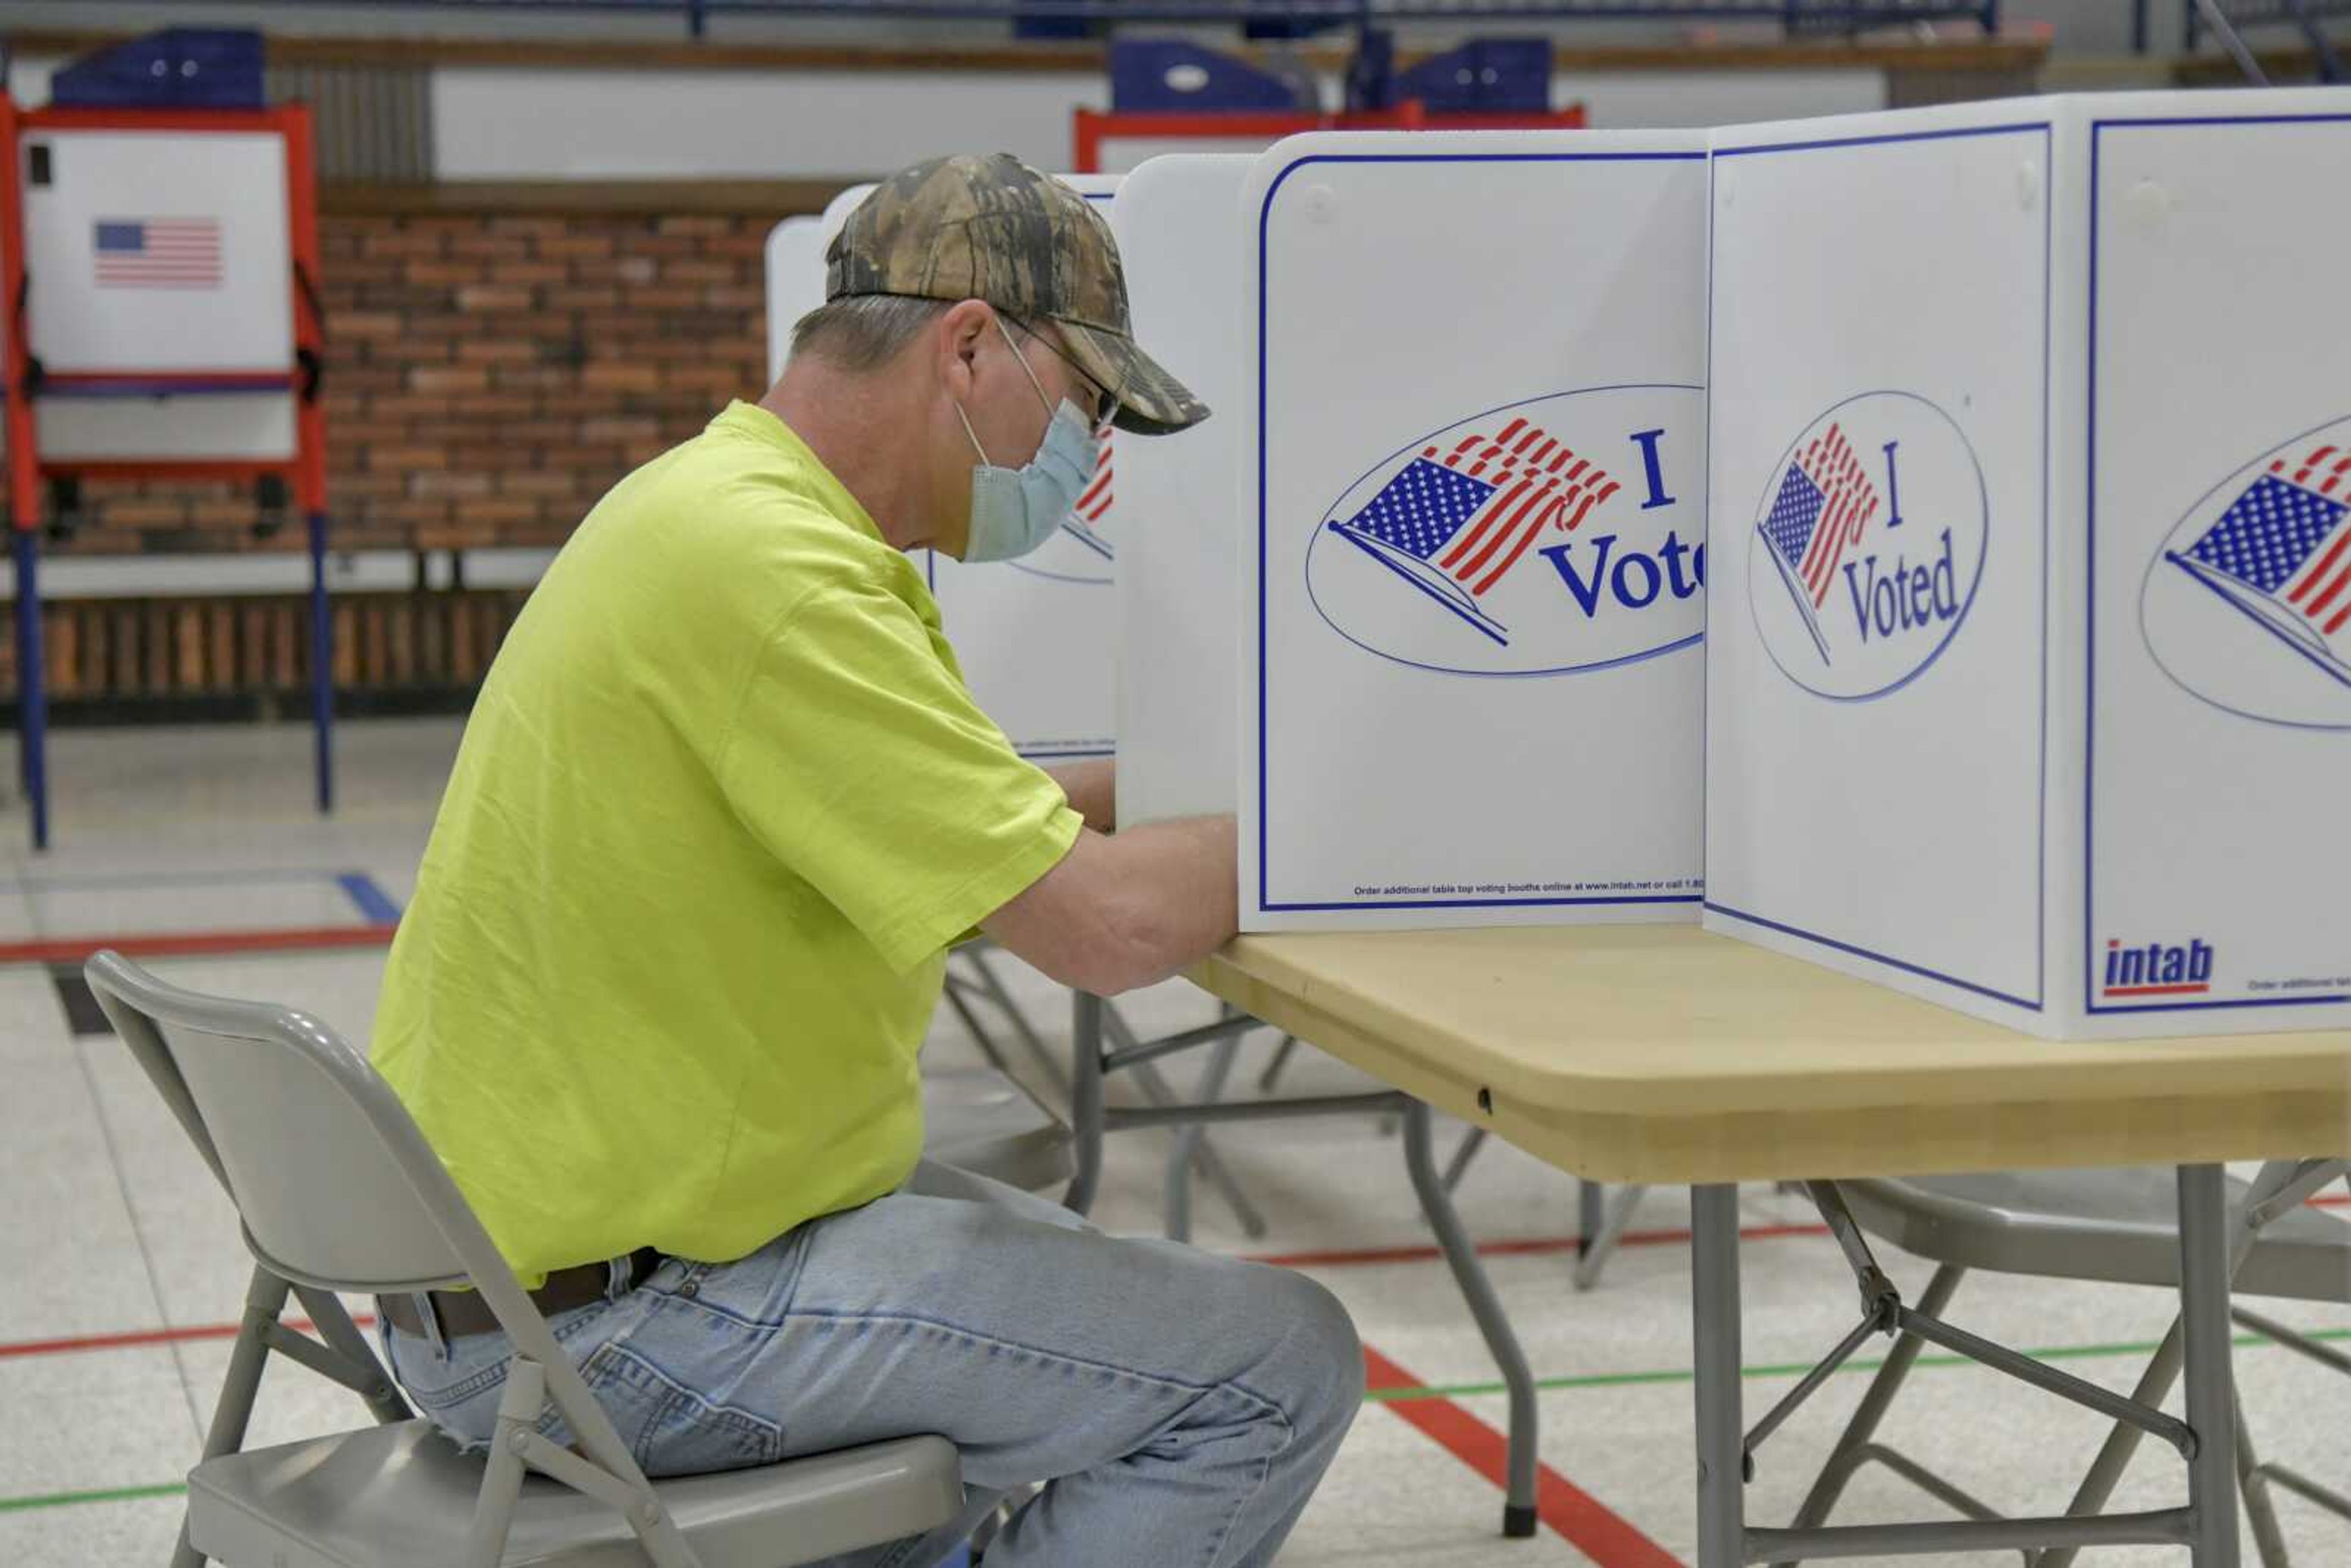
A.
x: 137, y: 1337
x: 1422, y: 1254
x: 191, y: 944
x: 1586, y: 1523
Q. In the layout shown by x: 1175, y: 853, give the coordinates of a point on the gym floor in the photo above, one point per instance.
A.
x: 124, y: 1276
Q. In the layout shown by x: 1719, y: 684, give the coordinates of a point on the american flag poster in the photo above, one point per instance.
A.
x: 156, y: 252
x: 2280, y: 553
x: 1455, y: 520
x: 1472, y: 573
x: 1824, y: 506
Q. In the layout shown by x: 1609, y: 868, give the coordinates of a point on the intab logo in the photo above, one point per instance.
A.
x: 1558, y: 536
x: 2155, y: 970
x: 2248, y: 605
x: 1869, y: 545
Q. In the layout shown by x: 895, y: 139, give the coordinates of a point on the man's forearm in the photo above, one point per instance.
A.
x: 1118, y: 912
x: 1176, y: 898
x: 1093, y: 789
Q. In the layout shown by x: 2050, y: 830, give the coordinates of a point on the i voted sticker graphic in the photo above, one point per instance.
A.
x: 1870, y: 539
x: 1558, y: 536
x: 2247, y: 605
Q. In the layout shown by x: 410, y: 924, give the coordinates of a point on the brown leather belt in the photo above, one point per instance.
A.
x: 463, y: 1312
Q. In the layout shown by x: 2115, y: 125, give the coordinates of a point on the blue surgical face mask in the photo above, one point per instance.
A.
x: 1014, y: 510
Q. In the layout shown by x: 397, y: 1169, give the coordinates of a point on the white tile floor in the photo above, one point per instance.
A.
x: 110, y: 1232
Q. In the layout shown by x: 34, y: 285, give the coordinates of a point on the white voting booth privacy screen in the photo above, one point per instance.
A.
x: 1472, y: 502
x: 2030, y: 647
x: 1178, y: 225
x: 795, y: 284
x: 1036, y: 637
x: 178, y: 264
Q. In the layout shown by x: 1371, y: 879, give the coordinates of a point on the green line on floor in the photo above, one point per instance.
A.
x: 1634, y: 1379
x: 111, y: 1494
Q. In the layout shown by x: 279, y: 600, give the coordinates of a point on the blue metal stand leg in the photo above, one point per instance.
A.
x: 322, y: 663
x: 32, y: 687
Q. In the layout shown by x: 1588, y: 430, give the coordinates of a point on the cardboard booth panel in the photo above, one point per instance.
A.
x: 795, y: 283
x: 2216, y: 626
x: 1178, y: 224
x: 1474, y: 486
x: 159, y: 251
x: 2056, y: 741
x: 1038, y: 637
x: 1877, y: 635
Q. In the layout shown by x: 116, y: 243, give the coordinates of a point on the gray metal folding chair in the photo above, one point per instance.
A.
x: 2118, y: 1226
x: 982, y: 1121
x: 337, y: 1190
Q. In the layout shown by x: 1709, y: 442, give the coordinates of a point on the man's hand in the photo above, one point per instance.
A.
x: 1120, y: 913
x: 1093, y: 789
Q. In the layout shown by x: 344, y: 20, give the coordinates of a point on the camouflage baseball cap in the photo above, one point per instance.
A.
x: 992, y: 228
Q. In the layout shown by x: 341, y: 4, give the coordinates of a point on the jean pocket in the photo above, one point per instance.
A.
x: 671, y: 1429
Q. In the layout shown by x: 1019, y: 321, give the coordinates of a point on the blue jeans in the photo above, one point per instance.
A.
x: 1179, y: 1407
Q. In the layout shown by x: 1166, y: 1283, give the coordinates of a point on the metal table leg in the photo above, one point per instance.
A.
x: 1714, y: 1294
x: 2212, y: 1389
x: 1590, y: 1200
x: 1592, y: 1255
x: 322, y: 664
x: 1420, y: 1160
x: 32, y: 687
x: 1085, y: 1100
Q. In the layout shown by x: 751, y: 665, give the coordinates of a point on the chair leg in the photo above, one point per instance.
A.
x: 2115, y: 1454
x: 265, y: 1298
x: 2261, y: 1512
x: 1853, y: 1444
x: 1188, y: 1140
x: 519, y: 1411
x: 1591, y: 1256
x: 343, y: 1337
x: 1463, y: 1152
x: 1283, y: 1052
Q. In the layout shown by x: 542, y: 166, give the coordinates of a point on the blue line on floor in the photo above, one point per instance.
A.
x: 374, y: 903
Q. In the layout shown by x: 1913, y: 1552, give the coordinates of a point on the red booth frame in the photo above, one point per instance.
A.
x: 305, y: 472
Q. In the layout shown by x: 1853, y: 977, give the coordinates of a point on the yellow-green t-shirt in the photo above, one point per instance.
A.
x: 722, y: 805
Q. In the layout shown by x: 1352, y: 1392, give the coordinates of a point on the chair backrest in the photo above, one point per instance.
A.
x: 332, y: 1179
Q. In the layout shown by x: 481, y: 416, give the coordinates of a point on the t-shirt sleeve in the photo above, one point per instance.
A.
x: 860, y: 760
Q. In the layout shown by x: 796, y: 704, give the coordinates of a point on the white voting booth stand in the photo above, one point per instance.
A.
x: 163, y: 268
x: 2030, y: 642
x: 1472, y: 496
x: 1036, y: 637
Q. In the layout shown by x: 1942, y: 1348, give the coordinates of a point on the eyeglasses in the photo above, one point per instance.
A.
x: 1105, y: 400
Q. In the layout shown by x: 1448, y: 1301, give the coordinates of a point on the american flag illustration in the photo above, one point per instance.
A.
x: 2282, y: 554
x: 1453, y: 522
x: 1093, y: 506
x: 156, y: 252
x: 1826, y: 501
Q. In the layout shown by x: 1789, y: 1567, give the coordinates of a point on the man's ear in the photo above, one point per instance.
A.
x: 961, y: 331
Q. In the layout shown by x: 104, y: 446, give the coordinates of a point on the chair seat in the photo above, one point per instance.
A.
x: 402, y: 1496
x: 2120, y: 1225
x: 978, y: 1120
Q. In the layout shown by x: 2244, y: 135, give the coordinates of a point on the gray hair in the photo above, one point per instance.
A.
x: 864, y: 332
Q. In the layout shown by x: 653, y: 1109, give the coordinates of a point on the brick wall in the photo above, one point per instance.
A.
x: 488, y: 378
